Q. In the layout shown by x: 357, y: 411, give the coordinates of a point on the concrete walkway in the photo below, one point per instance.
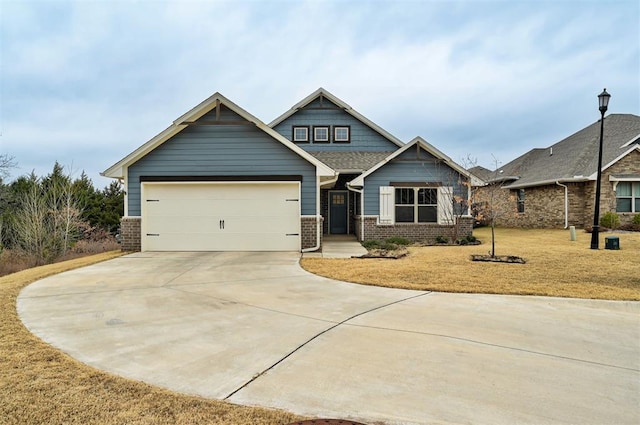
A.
x: 338, y: 246
x: 255, y: 329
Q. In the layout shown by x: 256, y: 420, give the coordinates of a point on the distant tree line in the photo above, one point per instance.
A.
x: 46, y: 216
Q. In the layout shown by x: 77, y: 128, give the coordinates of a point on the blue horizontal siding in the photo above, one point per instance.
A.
x: 363, y: 138
x: 228, y: 150
x: 408, y: 168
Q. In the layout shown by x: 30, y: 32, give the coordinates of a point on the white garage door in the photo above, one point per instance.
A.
x: 225, y: 216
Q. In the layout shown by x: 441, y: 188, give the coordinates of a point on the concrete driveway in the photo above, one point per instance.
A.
x: 255, y: 329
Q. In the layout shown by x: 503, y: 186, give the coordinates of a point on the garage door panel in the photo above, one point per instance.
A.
x: 231, y: 242
x: 221, y: 216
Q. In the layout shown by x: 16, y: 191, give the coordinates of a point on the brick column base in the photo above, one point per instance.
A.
x: 130, y: 233
x: 309, y: 232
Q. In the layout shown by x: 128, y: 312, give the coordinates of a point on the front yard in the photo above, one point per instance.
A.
x: 555, y: 266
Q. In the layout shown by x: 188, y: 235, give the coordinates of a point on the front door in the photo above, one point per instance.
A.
x: 338, y: 209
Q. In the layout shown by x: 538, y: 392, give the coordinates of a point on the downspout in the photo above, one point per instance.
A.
x: 566, y: 204
x: 318, y: 221
x: 361, y: 192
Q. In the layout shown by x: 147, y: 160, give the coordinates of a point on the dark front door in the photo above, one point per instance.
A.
x: 338, y: 212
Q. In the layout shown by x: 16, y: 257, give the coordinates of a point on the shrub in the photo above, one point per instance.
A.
x: 442, y: 239
x: 610, y: 220
x: 371, y: 244
x: 398, y: 240
x: 636, y: 219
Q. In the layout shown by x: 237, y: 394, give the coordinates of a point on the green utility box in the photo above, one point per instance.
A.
x: 612, y: 242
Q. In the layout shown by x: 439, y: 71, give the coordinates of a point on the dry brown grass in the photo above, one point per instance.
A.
x: 555, y: 267
x: 41, y: 385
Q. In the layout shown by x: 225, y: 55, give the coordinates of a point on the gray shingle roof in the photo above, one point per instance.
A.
x: 342, y: 161
x: 577, y: 155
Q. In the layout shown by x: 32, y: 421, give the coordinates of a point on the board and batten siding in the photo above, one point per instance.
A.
x: 222, y: 150
x: 408, y: 168
x: 363, y: 137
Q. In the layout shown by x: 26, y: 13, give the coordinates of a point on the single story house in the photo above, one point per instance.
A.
x: 220, y: 179
x: 555, y: 187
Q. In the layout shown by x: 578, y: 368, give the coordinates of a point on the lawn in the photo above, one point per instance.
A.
x: 39, y: 384
x: 555, y: 266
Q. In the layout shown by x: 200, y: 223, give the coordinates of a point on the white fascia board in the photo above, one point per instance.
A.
x: 322, y: 170
x: 118, y: 169
x: 594, y: 176
x: 359, y: 181
x: 633, y: 140
x: 348, y: 109
x: 548, y: 182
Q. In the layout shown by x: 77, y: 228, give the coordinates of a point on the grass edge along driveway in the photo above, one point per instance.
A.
x: 40, y: 384
x: 556, y: 266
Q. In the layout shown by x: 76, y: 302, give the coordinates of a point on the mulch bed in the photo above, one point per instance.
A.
x: 499, y: 259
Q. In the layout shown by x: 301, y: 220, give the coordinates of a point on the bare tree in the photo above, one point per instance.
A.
x: 488, y: 200
x: 48, y: 219
x: 6, y: 163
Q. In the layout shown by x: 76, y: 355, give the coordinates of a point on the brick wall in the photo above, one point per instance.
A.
x: 423, y: 232
x: 130, y: 232
x: 309, y: 232
x: 544, y: 205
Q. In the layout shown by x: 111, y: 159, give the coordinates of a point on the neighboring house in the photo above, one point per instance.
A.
x: 555, y: 187
x: 219, y: 179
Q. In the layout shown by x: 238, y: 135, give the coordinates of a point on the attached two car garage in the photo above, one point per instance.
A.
x: 220, y: 216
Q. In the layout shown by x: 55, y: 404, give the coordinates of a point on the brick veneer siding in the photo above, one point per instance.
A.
x: 422, y: 232
x: 544, y: 205
x: 309, y: 230
x: 130, y: 232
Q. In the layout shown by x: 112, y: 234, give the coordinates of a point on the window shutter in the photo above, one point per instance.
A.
x: 445, y: 205
x: 387, y: 205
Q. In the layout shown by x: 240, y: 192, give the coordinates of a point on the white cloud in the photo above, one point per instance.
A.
x: 471, y: 77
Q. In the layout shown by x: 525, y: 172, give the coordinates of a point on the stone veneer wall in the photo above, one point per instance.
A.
x: 422, y: 232
x: 130, y: 233
x: 309, y: 232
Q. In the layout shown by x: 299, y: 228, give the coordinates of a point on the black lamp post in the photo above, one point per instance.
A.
x: 603, y: 102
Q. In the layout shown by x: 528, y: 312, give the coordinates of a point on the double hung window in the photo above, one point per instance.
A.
x: 416, y: 205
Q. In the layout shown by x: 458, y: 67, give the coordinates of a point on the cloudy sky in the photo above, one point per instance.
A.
x: 85, y: 83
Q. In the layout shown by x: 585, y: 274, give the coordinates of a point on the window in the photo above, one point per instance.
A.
x: 521, y: 201
x: 341, y: 134
x: 416, y: 205
x: 321, y: 134
x: 628, y: 197
x: 300, y: 134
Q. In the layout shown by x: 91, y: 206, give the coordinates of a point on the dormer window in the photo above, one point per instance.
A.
x: 321, y: 134
x: 301, y: 134
x: 342, y: 134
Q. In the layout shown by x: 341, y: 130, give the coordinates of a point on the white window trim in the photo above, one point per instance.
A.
x: 632, y: 197
x: 335, y: 134
x: 295, y: 135
x: 315, y: 134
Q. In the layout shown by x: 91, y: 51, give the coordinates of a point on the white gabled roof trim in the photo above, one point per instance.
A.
x: 635, y: 139
x: 348, y: 109
x: 594, y: 176
x: 359, y: 181
x: 118, y: 169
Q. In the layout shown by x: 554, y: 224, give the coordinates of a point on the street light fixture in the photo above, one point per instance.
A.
x: 603, y: 103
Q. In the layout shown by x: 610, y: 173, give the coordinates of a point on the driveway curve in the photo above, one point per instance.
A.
x: 256, y: 329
